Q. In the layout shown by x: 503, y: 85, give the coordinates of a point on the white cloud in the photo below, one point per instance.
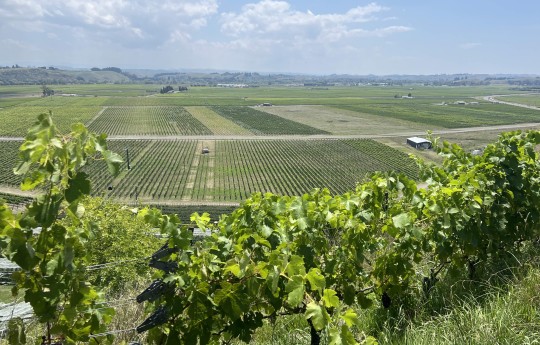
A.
x: 264, y: 35
x: 143, y: 18
x: 104, y: 13
x: 137, y: 32
x: 270, y: 18
x: 22, y: 9
x: 192, y: 8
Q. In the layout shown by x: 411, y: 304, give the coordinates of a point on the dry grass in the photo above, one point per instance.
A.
x: 216, y: 123
x: 343, y: 122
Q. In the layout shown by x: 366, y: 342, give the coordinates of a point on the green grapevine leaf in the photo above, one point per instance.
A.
x: 316, y: 280
x: 364, y: 301
x: 36, y: 178
x: 349, y: 293
x: 330, y: 299
x: 113, y: 161
x: 350, y: 317
x: 19, y: 250
x: 78, y: 186
x: 319, y: 317
x: 370, y: 341
x: 266, y: 231
x: 296, y: 266
x: 233, y: 268
x: 272, y: 280
x: 401, y: 221
x: 233, y: 302
x: 335, y: 336
x: 302, y: 223
x: 347, y: 337
x: 198, y: 309
x: 295, y: 289
x: 201, y: 221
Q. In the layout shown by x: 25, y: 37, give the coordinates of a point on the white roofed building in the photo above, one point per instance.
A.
x: 419, y: 143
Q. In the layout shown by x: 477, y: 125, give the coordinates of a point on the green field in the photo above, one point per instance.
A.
x: 148, y: 120
x: 138, y: 110
x: 261, y: 123
x: 66, y: 111
x: 530, y: 99
x: 447, y: 115
x: 9, y: 155
x: 164, y: 170
x: 178, y: 170
x: 251, y: 153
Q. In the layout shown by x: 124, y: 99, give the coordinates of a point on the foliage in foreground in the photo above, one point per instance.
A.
x: 53, y: 261
x: 321, y: 255
x: 499, y: 306
x: 119, y: 244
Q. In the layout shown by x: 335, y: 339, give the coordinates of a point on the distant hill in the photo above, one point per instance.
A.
x: 53, y: 76
x: 34, y: 76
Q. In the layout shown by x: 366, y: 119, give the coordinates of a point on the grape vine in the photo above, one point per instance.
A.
x: 52, y: 275
x: 323, y: 255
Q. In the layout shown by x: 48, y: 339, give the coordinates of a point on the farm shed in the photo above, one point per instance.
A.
x: 419, y: 143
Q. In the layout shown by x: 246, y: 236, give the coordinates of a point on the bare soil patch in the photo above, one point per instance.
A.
x: 341, y: 121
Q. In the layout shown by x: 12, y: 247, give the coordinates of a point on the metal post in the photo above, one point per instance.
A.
x: 127, y: 159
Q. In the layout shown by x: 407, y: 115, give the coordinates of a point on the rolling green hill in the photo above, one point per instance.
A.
x: 18, y: 76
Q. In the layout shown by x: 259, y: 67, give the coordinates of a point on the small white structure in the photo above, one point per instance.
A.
x: 477, y: 152
x: 419, y: 143
x: 205, y: 150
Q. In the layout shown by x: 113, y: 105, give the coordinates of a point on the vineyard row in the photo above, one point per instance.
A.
x: 232, y: 170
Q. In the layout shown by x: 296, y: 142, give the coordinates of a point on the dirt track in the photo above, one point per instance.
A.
x: 492, y: 99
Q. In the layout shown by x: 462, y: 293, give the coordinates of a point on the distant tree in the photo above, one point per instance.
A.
x: 47, y: 91
x: 409, y: 95
x: 182, y: 88
x: 112, y: 69
x: 166, y: 89
x: 95, y: 69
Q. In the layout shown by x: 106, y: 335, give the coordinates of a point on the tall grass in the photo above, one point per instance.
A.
x: 504, y: 317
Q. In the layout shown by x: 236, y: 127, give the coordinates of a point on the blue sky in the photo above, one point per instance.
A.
x: 318, y: 37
